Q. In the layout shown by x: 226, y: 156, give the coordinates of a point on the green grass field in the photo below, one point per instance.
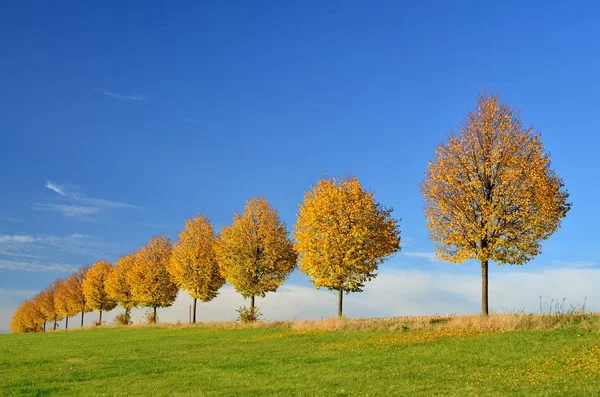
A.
x: 282, y: 360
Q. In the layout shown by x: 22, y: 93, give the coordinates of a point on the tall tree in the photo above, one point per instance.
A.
x: 117, y: 286
x: 255, y: 253
x: 490, y: 192
x: 94, y: 288
x: 343, y: 235
x: 193, y: 266
x: 65, y: 306
x: 150, y: 281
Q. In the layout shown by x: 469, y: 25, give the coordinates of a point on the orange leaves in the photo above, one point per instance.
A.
x: 490, y: 193
x: 193, y: 265
x: 151, y: 285
x: 343, y: 234
x: 254, y: 253
x: 94, y: 287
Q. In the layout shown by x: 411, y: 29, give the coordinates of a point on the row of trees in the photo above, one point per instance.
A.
x: 490, y: 195
x: 341, y: 237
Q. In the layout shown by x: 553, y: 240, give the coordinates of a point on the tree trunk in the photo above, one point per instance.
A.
x: 155, y: 315
x: 44, y: 326
x: 340, y: 300
x: 82, y: 318
x: 194, y: 315
x: 252, y: 302
x: 127, y: 311
x: 484, y: 288
x: 100, y: 319
x: 54, y: 329
x: 67, y: 322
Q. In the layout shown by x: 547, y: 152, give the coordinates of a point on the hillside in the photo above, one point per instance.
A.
x: 369, y: 358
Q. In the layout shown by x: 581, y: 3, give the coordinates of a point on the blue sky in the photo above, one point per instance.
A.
x: 121, y: 120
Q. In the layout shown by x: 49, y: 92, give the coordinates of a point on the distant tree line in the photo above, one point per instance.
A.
x: 490, y: 195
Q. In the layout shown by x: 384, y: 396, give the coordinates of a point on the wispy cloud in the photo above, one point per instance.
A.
x: 78, y: 205
x: 124, y: 98
x: 31, y: 266
x: 48, y: 246
x: 425, y: 255
x: 68, y: 210
x: 8, y: 219
x: 57, y: 188
x: 20, y: 239
x: 573, y: 264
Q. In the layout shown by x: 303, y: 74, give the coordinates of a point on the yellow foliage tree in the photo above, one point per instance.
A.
x: 150, y: 281
x: 65, y: 307
x: 27, y: 318
x: 74, y: 292
x: 490, y: 193
x: 94, y: 288
x: 342, y: 235
x: 47, y: 305
x: 117, y: 286
x: 255, y: 253
x: 193, y: 266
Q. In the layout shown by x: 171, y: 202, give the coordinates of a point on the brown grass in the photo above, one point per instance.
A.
x: 468, y: 324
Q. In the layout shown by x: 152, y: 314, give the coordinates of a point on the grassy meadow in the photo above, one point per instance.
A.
x: 462, y: 356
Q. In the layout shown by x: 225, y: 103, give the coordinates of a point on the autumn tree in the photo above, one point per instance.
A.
x: 343, y: 235
x: 47, y: 305
x: 74, y: 290
x: 490, y: 192
x: 150, y: 281
x: 94, y: 288
x: 63, y: 302
x: 193, y: 265
x: 255, y: 253
x: 117, y: 286
x: 27, y: 318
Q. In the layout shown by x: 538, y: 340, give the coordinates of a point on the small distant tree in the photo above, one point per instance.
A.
x: 117, y: 286
x: 94, y: 288
x: 47, y: 305
x: 255, y: 253
x: 490, y: 192
x: 150, y: 281
x: 193, y: 266
x: 343, y: 235
x: 65, y: 306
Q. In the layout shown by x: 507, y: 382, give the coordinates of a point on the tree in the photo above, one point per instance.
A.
x: 117, y: 286
x: 74, y: 291
x: 27, y: 318
x: 342, y: 235
x: 255, y: 253
x: 193, y: 266
x: 47, y: 304
x: 94, y: 288
x: 490, y: 193
x: 150, y: 281
x: 65, y: 306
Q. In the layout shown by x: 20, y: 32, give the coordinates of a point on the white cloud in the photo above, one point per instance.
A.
x: 8, y: 219
x: 124, y: 98
x: 30, y: 266
x: 21, y: 239
x: 54, y: 187
x: 426, y: 255
x: 576, y: 264
x: 77, y: 206
x: 68, y: 210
